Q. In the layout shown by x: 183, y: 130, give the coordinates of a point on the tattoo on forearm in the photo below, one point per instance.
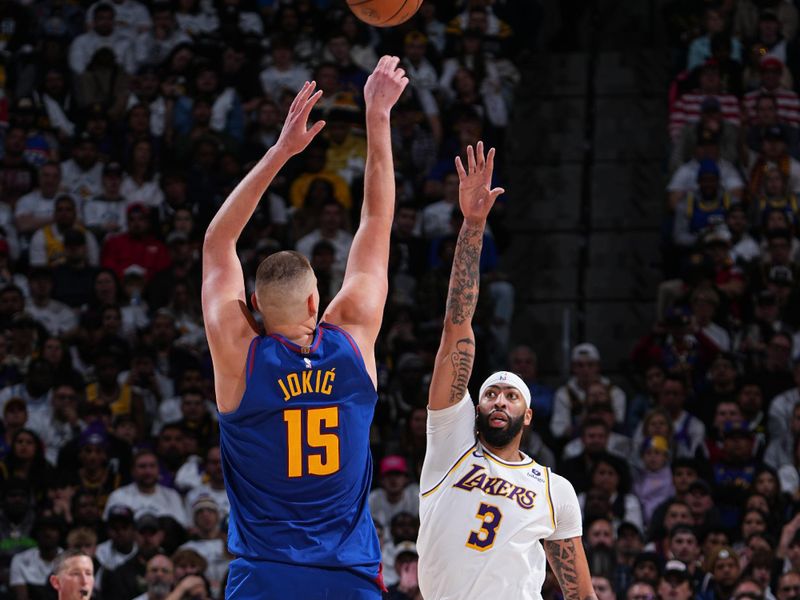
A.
x: 462, y: 296
x: 461, y: 358
x: 561, y: 556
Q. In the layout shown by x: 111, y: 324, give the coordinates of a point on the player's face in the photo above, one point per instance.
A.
x: 502, y: 411
x: 76, y: 579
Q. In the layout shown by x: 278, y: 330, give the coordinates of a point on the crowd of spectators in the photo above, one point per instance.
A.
x: 689, y: 482
x: 124, y: 126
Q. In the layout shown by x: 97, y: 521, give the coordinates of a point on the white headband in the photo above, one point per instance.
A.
x: 506, y: 378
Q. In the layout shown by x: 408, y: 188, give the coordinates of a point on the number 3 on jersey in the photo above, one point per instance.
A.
x: 317, y: 421
x: 483, y: 539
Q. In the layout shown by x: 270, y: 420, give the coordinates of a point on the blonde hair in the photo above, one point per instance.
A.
x: 283, y: 282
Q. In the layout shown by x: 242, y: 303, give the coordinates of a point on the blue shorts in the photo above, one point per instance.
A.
x: 267, y: 580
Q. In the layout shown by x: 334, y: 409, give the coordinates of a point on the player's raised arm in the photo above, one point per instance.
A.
x: 568, y: 561
x: 229, y: 326
x: 456, y: 354
x: 358, y: 307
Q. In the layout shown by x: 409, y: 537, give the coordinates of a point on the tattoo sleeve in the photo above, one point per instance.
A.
x: 562, y: 556
x: 462, y: 298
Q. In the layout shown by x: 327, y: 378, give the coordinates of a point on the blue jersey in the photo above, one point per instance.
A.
x: 296, y: 456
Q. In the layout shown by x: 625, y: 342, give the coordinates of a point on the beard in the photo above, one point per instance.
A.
x: 159, y: 589
x: 502, y: 436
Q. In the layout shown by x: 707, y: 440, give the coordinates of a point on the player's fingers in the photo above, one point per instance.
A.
x: 460, y: 168
x: 400, y: 73
x: 479, y: 155
x: 392, y: 63
x: 496, y: 192
x: 310, y: 104
x: 471, y: 159
x: 296, y: 100
x: 316, y: 128
x: 490, y: 162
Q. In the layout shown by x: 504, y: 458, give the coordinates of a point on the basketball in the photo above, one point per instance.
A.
x: 384, y: 13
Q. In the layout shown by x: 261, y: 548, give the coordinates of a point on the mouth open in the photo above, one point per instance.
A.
x: 498, y: 419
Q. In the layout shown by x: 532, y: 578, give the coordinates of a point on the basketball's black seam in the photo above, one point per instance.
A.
x: 399, y: 10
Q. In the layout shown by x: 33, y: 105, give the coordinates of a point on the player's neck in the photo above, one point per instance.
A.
x: 509, y: 453
x: 301, y: 334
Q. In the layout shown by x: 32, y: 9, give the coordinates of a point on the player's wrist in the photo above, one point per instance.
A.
x: 378, y: 114
x: 475, y: 223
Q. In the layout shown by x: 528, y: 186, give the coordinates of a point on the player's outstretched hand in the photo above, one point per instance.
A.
x: 385, y: 85
x: 475, y: 197
x: 296, y: 135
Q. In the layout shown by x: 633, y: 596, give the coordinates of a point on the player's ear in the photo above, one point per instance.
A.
x: 528, y: 416
x: 254, y: 302
x: 313, y: 304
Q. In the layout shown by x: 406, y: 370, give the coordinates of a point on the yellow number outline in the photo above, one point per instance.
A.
x: 483, y: 539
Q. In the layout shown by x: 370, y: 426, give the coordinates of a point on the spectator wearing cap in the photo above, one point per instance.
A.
x: 653, y: 483
x: 31, y: 569
x: 56, y: 317
x: 47, y: 244
x: 735, y: 471
x: 126, y: 581
x: 765, y: 116
x: 723, y: 573
x: 676, y: 582
x: 685, y: 180
x: 102, y: 34
x: 137, y: 246
x: 711, y: 122
x: 788, y: 103
x: 396, y: 493
x: 35, y: 209
x: 700, y: 48
x: 686, y: 109
x: 73, y: 280
x: 772, y: 154
x: 104, y: 214
x: 570, y: 398
x: 81, y: 175
x: 121, y: 543
x: 208, y: 540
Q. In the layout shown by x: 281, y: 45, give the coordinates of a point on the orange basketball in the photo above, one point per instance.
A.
x: 384, y: 13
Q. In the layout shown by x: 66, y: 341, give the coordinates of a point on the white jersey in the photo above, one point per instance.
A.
x: 482, y: 518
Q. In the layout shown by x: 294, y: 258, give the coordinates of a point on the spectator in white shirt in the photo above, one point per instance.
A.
x: 130, y: 17
x: 207, y: 539
x: 140, y: 183
x: 207, y: 482
x: 146, y: 89
x: 106, y: 213
x: 30, y: 570
x: 437, y: 216
x: 60, y: 424
x: 145, y: 494
x: 744, y: 249
x: 153, y: 46
x: 81, y: 174
x: 331, y: 221
x: 47, y: 244
x: 102, y: 35
x: 284, y: 74
x: 35, y: 209
x: 396, y: 493
x: 121, y: 543
x: 56, y: 317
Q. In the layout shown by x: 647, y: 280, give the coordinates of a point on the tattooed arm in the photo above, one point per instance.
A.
x: 568, y: 561
x: 457, y: 349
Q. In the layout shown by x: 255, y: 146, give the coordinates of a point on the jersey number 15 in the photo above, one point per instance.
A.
x: 315, y: 422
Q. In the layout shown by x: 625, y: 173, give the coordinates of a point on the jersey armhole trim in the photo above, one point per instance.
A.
x: 549, y: 497
x: 450, y: 470
x: 251, y: 357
